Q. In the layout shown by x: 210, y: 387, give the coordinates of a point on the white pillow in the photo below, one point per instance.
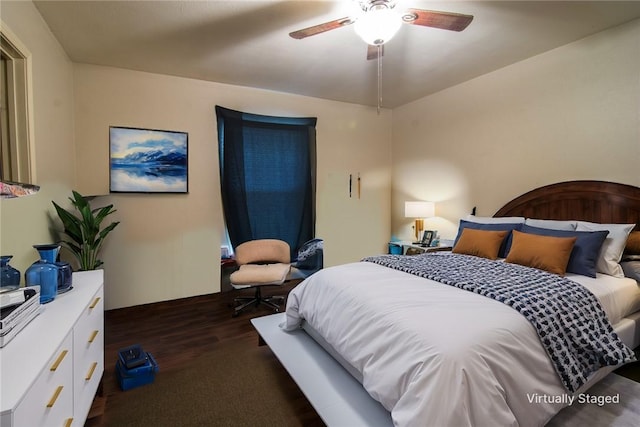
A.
x: 492, y: 220
x: 552, y: 224
x: 613, y: 246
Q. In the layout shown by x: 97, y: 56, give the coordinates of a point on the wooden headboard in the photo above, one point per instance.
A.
x: 594, y: 201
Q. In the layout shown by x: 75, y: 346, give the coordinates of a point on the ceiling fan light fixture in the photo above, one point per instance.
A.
x: 378, y: 25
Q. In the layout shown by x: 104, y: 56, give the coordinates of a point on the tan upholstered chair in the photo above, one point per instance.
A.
x: 263, y: 262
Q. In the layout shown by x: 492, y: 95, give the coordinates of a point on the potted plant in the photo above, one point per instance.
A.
x: 83, y: 230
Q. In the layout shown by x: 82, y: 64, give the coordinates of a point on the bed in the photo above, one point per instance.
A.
x: 434, y: 351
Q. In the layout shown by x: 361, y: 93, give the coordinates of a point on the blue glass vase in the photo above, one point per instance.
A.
x: 44, y: 272
x: 65, y: 278
x: 9, y: 276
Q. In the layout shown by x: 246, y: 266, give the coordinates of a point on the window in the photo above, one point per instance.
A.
x: 267, y: 176
x: 15, y: 155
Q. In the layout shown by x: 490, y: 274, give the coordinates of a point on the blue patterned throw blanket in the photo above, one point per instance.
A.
x: 569, y: 320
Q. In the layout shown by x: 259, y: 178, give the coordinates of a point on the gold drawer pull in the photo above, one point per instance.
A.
x: 95, y: 302
x: 54, y: 397
x: 90, y: 373
x: 58, y: 361
x: 68, y: 422
x: 93, y: 336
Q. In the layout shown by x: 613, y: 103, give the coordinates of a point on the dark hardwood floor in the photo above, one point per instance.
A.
x: 176, y: 332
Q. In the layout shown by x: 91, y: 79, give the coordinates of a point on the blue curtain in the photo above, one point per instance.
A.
x: 267, y: 175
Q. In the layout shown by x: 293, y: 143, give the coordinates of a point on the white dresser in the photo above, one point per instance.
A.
x: 50, y: 371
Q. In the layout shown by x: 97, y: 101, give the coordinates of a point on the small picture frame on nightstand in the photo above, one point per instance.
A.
x: 427, y: 237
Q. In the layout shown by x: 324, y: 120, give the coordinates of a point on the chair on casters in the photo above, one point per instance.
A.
x: 262, y: 262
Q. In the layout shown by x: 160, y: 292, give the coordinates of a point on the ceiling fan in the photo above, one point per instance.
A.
x: 378, y: 21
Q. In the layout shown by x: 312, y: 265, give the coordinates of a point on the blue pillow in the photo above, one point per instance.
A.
x: 506, y: 243
x: 631, y: 269
x: 584, y: 256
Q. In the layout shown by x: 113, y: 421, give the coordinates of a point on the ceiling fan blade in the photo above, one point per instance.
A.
x: 372, y: 51
x: 321, y: 28
x: 442, y: 20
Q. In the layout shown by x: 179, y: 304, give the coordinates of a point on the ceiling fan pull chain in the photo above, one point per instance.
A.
x: 379, y: 77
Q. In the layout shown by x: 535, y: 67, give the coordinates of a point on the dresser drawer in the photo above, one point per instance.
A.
x: 49, y: 402
x: 88, y: 350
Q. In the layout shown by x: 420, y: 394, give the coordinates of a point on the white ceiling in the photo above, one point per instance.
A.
x: 247, y: 43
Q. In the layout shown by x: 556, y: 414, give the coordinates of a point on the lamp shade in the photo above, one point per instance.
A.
x: 419, y: 209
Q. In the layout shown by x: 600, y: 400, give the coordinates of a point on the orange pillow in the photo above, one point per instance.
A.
x: 633, y: 244
x: 541, y: 252
x: 481, y: 243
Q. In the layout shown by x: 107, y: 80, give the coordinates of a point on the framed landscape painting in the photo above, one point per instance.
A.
x: 147, y: 161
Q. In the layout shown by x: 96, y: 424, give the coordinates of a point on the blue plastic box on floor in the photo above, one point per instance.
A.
x: 138, y: 375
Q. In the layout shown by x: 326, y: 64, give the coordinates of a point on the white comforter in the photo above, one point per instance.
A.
x: 432, y: 354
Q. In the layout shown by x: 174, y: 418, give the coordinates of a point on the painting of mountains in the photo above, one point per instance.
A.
x: 147, y: 161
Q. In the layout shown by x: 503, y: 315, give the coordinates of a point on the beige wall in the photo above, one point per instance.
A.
x: 571, y: 113
x: 24, y: 221
x: 167, y: 246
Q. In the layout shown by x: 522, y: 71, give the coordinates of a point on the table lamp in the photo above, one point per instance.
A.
x: 419, y: 211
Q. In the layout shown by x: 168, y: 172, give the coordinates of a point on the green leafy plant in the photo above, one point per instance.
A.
x: 82, y: 226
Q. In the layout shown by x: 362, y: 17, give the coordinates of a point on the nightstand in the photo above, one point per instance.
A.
x: 417, y: 249
x: 409, y: 248
x: 227, y: 266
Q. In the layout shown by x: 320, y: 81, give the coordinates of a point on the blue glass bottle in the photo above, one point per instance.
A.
x: 44, y: 272
x: 9, y: 276
x: 65, y: 278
